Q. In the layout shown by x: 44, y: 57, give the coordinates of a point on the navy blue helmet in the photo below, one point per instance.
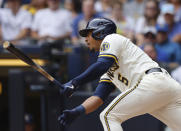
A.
x: 101, y: 27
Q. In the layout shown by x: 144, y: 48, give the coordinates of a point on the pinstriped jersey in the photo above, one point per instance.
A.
x: 130, y: 61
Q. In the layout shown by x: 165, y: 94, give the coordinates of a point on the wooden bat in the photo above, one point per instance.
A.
x: 19, y: 54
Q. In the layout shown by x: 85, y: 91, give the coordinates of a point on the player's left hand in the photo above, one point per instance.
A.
x: 69, y: 89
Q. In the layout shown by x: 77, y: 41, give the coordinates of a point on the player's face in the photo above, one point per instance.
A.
x: 92, y: 44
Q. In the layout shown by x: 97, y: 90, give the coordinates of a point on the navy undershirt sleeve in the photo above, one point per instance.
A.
x: 94, y: 71
x: 104, y: 89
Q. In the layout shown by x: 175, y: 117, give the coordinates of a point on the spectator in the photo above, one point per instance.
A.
x: 88, y: 12
x: 1, y: 3
x: 52, y: 24
x: 15, y: 23
x: 103, y: 6
x: 150, y: 50
x: 74, y: 6
x: 174, y: 33
x: 162, y: 2
x: 125, y: 24
x: 134, y: 9
x: 149, y: 19
x: 34, y: 6
x: 149, y: 34
x: 176, y: 74
x: 149, y: 41
x: 172, y: 50
x: 177, y: 9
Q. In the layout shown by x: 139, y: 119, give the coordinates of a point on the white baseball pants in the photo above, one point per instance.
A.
x: 157, y: 94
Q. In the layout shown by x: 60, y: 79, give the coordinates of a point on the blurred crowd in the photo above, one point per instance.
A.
x: 153, y: 25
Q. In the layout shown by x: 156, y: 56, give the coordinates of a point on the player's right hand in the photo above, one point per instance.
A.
x: 69, y: 89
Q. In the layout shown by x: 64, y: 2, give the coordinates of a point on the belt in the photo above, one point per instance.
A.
x: 153, y: 70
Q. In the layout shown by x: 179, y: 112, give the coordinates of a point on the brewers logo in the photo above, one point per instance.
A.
x: 105, y: 46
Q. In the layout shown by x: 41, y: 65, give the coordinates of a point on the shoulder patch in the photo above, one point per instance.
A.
x: 105, y: 46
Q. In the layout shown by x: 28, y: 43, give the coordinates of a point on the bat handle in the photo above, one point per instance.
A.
x: 57, y: 83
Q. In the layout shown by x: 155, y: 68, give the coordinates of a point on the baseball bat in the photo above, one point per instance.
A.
x: 19, y: 54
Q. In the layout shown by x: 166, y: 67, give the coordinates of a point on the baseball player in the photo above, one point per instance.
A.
x: 144, y: 86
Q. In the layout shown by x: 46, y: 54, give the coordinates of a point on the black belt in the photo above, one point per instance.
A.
x: 153, y: 70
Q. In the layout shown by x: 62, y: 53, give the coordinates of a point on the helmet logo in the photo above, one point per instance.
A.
x: 105, y: 46
x: 101, y: 23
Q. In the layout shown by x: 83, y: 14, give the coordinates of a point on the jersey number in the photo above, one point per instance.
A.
x: 123, y: 79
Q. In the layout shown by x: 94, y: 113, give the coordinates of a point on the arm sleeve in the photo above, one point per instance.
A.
x: 104, y: 89
x: 95, y: 71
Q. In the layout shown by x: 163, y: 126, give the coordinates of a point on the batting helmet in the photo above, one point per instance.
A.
x: 101, y: 27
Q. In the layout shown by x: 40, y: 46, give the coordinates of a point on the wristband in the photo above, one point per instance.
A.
x: 80, y: 109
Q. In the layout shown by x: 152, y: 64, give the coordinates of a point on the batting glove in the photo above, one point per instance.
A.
x: 69, y: 89
x: 68, y: 116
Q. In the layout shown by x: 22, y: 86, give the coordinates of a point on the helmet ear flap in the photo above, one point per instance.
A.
x: 98, y: 34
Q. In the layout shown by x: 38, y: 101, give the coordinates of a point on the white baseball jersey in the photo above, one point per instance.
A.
x: 155, y: 93
x: 131, y: 62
